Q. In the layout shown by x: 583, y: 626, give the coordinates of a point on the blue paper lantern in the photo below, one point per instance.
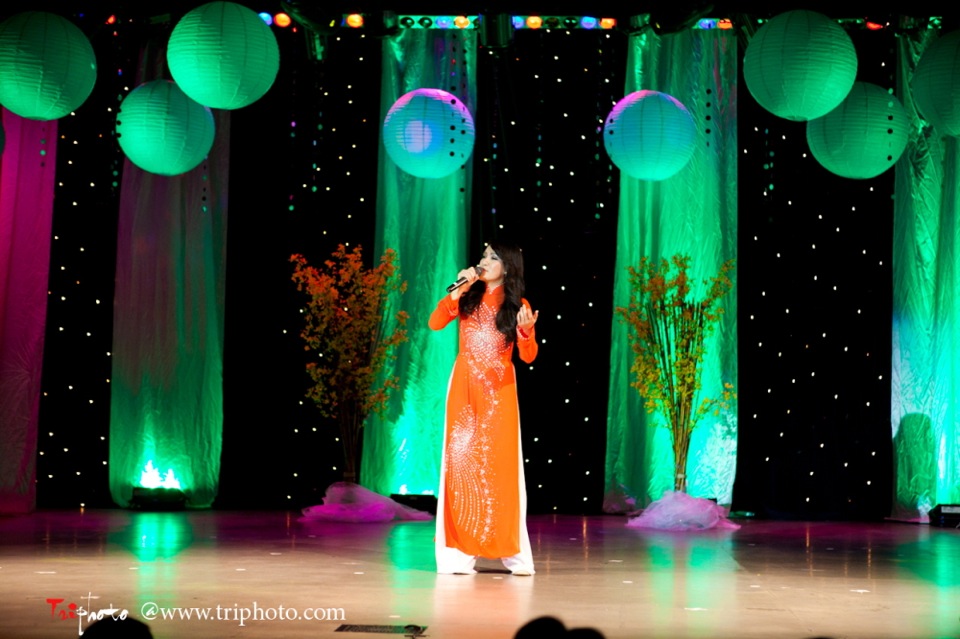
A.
x: 163, y: 131
x: 936, y: 84
x: 800, y: 65
x: 863, y: 137
x: 223, y: 55
x: 47, y: 65
x: 650, y: 135
x: 429, y: 133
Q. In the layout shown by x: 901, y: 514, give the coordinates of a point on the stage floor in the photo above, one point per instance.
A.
x: 769, y: 579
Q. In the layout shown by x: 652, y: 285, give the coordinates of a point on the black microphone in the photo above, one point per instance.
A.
x: 463, y: 280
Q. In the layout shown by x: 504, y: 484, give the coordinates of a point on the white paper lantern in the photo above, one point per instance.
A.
x: 47, y: 65
x: 223, y: 55
x: 162, y: 130
x: 864, y: 136
x: 936, y: 84
x: 800, y: 65
x: 650, y: 135
x: 429, y: 133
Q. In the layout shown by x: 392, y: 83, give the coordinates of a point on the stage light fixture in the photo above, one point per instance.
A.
x: 425, y: 22
x: 282, y: 20
x: 562, y: 22
x: 444, y: 22
x: 355, y: 20
x: 462, y: 22
x: 407, y: 22
x: 266, y: 17
x: 946, y: 515
x: 154, y: 499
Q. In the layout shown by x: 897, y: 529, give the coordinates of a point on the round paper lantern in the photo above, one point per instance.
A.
x: 863, y: 137
x: 649, y: 135
x: 428, y: 133
x: 800, y: 65
x: 162, y: 130
x: 223, y: 55
x: 47, y: 65
x: 936, y: 84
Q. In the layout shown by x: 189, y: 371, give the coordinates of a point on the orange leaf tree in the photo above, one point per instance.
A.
x: 667, y: 332
x: 343, y: 327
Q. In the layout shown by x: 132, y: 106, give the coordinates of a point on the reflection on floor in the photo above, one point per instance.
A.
x: 262, y: 574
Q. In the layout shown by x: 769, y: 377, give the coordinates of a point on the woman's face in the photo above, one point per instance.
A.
x: 492, y: 267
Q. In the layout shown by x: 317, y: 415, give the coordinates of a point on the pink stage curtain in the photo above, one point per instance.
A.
x: 27, y: 172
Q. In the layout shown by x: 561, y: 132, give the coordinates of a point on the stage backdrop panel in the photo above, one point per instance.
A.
x: 925, y: 381
x: 166, y: 400
x: 426, y: 221
x: 27, y: 172
x: 693, y: 212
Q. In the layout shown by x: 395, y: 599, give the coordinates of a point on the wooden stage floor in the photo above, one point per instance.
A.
x: 769, y: 579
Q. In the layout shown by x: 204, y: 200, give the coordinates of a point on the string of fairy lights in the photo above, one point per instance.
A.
x: 818, y: 379
x: 815, y: 285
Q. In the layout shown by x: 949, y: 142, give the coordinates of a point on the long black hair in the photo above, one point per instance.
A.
x: 512, y: 259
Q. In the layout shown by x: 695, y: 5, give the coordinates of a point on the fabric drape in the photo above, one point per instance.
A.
x: 693, y: 212
x: 166, y: 402
x: 27, y: 173
x: 426, y: 221
x: 925, y: 384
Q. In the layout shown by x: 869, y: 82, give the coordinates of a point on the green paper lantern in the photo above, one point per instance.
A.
x: 47, y: 65
x: 863, y: 137
x: 163, y: 131
x: 223, y: 55
x: 800, y: 65
x: 936, y: 84
x: 650, y: 135
x: 429, y: 133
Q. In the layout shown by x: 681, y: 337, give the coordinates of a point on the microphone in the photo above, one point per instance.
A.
x: 463, y: 280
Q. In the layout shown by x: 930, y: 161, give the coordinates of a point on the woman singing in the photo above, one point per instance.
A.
x: 483, y: 501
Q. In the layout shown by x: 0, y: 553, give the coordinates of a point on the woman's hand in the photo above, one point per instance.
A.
x: 471, y: 275
x: 526, y: 319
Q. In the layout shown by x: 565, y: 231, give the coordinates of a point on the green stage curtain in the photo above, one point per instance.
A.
x: 925, y: 385
x: 694, y: 212
x: 166, y: 401
x: 426, y: 221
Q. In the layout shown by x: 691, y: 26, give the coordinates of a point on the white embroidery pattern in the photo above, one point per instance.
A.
x: 471, y: 443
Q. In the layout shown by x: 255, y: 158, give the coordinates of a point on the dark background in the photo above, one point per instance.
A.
x: 814, y: 268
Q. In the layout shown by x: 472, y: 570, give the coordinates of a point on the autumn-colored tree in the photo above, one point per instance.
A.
x: 343, y: 328
x: 667, y: 332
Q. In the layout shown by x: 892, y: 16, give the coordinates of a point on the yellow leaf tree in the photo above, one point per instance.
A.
x: 668, y: 328
x: 343, y: 328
